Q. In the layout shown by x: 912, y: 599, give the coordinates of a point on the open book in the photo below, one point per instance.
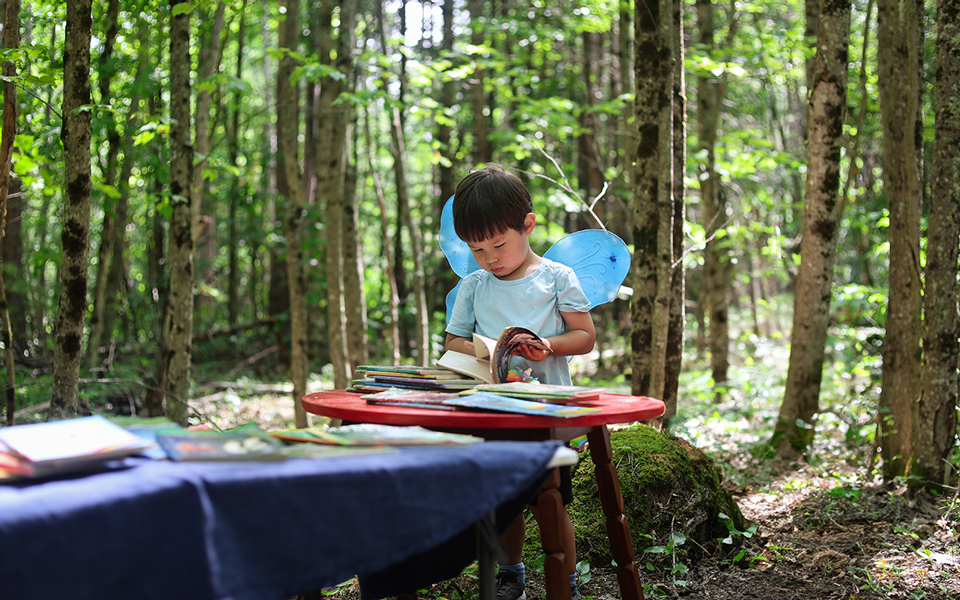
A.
x: 491, y: 362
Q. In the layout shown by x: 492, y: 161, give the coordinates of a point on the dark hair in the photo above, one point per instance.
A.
x: 489, y: 202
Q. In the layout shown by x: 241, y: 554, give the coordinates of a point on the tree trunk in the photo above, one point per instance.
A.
x: 935, y: 428
x: 75, y: 240
x: 674, y: 358
x: 716, y: 260
x: 900, y: 81
x: 107, y: 232
x: 334, y: 120
x: 821, y: 220
x: 238, y: 188
x: 178, y: 318
x: 664, y: 256
x: 11, y: 41
x: 649, y: 98
x: 287, y: 133
x: 482, y: 150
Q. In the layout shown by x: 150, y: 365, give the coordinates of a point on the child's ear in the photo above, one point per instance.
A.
x: 528, y: 222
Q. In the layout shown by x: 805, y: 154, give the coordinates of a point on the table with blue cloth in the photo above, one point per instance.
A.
x: 261, y: 530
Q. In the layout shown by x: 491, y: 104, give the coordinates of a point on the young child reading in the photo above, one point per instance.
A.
x: 493, y: 214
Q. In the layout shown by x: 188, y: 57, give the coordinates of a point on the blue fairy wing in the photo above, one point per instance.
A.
x: 600, y: 259
x: 451, y: 299
x: 456, y: 250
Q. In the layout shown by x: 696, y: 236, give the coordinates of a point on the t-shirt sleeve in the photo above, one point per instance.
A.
x: 463, y: 320
x: 570, y: 296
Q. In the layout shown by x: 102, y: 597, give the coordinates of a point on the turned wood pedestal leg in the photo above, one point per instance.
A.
x: 549, y: 503
x: 611, y: 501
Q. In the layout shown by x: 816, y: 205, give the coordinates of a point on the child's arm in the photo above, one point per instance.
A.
x: 458, y: 344
x: 579, y: 338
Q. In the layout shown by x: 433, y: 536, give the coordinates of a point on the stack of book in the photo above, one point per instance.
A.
x: 373, y: 378
x: 476, y: 400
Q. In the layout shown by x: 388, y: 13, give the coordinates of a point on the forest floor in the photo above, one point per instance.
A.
x: 826, y: 530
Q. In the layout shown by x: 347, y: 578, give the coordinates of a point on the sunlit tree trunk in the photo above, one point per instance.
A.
x: 287, y: 134
x: 643, y: 277
x: 75, y: 240
x: 178, y: 318
x: 935, y: 428
x: 665, y: 154
x: 794, y: 430
x: 11, y: 41
x: 900, y: 81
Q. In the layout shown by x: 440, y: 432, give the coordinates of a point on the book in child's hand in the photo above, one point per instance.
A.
x: 242, y: 443
x: 491, y: 361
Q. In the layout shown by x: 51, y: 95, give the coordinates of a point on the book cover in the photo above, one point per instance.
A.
x: 487, y: 401
x: 411, y: 399
x: 68, y: 445
x: 369, y: 434
x: 243, y: 443
x: 544, y: 391
x: 491, y: 359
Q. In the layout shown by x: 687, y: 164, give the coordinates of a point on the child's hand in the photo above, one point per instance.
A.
x: 532, y: 353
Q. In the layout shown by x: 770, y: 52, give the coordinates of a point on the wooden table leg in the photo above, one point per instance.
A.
x: 611, y: 501
x: 549, y: 504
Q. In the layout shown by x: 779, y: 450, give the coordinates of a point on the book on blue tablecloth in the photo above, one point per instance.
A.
x: 54, y: 447
x: 243, y: 443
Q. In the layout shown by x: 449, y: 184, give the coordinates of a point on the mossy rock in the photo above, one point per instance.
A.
x: 668, y: 486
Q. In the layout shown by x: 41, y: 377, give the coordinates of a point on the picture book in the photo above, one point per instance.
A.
x: 242, y: 443
x: 416, y: 372
x: 411, y: 399
x: 491, y: 359
x: 369, y: 434
x: 494, y: 402
x: 54, y: 447
x: 554, y: 394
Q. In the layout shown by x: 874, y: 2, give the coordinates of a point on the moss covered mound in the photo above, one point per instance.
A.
x: 668, y: 487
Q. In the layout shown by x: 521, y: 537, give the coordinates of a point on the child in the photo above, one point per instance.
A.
x: 493, y: 214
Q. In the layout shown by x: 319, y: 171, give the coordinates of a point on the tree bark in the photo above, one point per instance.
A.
x: 75, y: 239
x: 287, y: 133
x: 899, y: 57
x: 935, y: 428
x: 716, y: 260
x: 794, y: 430
x: 649, y: 97
x: 178, y: 317
x: 11, y: 41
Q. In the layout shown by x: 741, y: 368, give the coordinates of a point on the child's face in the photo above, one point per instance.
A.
x: 506, y: 255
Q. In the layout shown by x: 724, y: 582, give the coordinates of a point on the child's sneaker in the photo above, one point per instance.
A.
x: 574, y: 593
x: 509, y: 586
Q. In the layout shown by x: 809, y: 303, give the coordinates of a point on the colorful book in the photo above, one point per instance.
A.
x: 246, y: 443
x: 494, y: 402
x: 412, y: 399
x: 369, y: 434
x: 70, y: 445
x: 546, y: 392
x: 491, y: 359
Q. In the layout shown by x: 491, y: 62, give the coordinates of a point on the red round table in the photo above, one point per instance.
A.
x: 613, y: 409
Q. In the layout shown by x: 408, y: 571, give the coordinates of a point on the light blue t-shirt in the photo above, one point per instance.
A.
x: 486, y: 305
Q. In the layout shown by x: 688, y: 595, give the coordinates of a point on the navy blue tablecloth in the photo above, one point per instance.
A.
x: 261, y: 531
